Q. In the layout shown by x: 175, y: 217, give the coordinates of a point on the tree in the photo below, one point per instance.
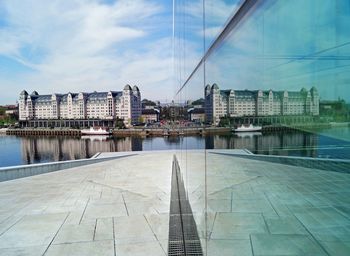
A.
x: 141, y: 119
x: 224, y: 121
x: 198, y: 102
x: 119, y: 123
x: 146, y: 102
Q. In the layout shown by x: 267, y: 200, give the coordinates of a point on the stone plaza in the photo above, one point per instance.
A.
x: 121, y: 207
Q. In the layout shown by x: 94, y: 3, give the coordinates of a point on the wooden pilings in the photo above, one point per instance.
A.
x: 171, y: 131
x: 188, y: 131
x: 45, y: 132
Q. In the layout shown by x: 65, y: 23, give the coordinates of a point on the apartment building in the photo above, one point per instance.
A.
x: 110, y: 105
x: 236, y: 103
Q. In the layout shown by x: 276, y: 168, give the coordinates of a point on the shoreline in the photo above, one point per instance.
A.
x: 165, y: 132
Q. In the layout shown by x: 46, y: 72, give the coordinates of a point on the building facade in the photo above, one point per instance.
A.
x: 236, y: 103
x: 150, y: 115
x: 110, y: 105
x: 196, y: 114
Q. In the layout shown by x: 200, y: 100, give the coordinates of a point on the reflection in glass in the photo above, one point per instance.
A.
x: 287, y: 64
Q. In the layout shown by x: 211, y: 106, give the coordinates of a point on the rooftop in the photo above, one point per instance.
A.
x: 63, y: 97
x: 121, y: 207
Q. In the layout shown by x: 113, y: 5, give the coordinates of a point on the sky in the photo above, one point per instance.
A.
x: 288, y: 46
x: 278, y: 45
x: 61, y: 46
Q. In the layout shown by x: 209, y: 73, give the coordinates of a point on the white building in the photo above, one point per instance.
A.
x: 150, y: 115
x: 235, y: 103
x: 124, y: 104
x: 196, y: 114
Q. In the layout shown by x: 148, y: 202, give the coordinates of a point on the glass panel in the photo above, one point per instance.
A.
x: 281, y: 70
x: 189, y: 120
x: 217, y: 15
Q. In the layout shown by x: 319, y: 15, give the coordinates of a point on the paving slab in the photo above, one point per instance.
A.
x: 267, y: 244
x: 104, y: 229
x: 252, y: 207
x: 32, y: 230
x: 76, y: 211
x: 74, y: 233
x: 285, y: 225
x: 139, y: 249
x: 237, y: 225
x: 101, y: 248
x: 159, y: 224
x: 337, y: 248
x: 132, y: 229
x: 229, y: 247
x: 23, y: 251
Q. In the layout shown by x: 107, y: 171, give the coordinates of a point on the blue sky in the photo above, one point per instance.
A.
x: 85, y: 45
x: 288, y: 45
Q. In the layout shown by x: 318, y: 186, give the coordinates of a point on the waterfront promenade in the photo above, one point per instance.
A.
x: 121, y: 207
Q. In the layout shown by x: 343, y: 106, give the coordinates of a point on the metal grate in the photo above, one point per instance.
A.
x: 183, y: 234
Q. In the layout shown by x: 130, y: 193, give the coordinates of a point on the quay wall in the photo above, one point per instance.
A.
x: 144, y: 132
x: 48, y: 132
x: 171, y: 132
x: 123, y: 132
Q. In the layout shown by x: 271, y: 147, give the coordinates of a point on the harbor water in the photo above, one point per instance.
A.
x: 327, y: 143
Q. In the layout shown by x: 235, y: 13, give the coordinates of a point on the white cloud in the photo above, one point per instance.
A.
x: 84, y: 45
x: 216, y: 11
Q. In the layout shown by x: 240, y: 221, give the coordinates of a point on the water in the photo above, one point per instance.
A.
x: 338, y: 131
x: 15, y: 150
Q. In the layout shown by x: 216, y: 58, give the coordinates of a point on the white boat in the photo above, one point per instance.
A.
x: 95, y: 131
x: 248, y: 134
x: 3, y: 130
x: 247, y: 128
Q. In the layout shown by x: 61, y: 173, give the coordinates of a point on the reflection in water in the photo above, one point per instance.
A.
x: 248, y: 134
x: 27, y: 150
x: 296, y: 143
x: 46, y: 149
x: 96, y: 137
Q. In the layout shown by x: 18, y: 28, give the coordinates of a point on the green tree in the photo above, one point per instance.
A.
x: 119, y: 124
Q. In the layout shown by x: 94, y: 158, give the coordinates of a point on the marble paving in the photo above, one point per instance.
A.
x: 121, y: 207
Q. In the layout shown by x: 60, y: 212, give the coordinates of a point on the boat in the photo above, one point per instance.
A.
x: 3, y: 130
x: 247, y: 128
x: 95, y: 131
x: 248, y: 134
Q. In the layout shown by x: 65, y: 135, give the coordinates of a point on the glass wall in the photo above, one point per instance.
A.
x: 280, y: 71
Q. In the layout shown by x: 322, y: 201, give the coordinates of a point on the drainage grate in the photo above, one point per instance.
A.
x: 183, y: 234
